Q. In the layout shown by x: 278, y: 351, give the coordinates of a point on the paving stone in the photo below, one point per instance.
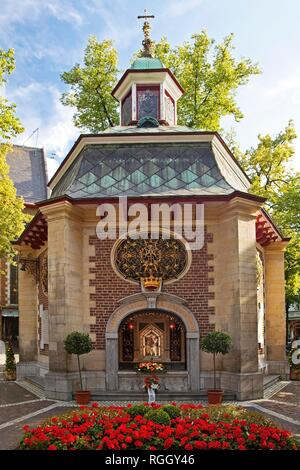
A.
x: 9, y: 413
x: 289, y: 410
x: 11, y: 436
x: 10, y: 392
x: 290, y: 394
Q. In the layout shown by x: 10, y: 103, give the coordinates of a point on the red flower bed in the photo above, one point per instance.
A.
x: 156, y: 427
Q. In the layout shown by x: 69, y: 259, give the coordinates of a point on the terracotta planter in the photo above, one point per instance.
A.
x: 215, y: 397
x: 83, y: 397
x: 294, y: 374
x: 10, y: 375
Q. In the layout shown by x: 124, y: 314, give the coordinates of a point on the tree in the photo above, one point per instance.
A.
x: 12, y: 217
x: 78, y: 343
x: 267, y: 163
x: 269, y: 167
x: 210, y: 76
x: 91, y: 86
x: 215, y: 343
x: 209, y: 73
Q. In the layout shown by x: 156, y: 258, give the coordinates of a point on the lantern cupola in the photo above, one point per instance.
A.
x: 148, y: 92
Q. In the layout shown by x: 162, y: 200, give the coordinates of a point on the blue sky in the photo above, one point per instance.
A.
x: 49, y: 37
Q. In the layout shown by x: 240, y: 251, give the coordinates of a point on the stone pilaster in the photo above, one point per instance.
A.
x: 28, y: 312
x: 275, y: 308
x: 65, y: 280
x: 236, y: 293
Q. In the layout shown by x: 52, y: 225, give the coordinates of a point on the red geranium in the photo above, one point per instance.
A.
x: 116, y: 428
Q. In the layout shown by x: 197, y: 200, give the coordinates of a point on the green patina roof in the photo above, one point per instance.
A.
x: 144, y: 63
x: 134, y: 169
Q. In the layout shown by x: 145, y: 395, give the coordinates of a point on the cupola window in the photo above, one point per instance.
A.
x: 148, y: 102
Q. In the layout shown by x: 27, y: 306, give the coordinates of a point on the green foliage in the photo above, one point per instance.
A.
x: 210, y: 75
x: 78, y: 343
x: 10, y: 362
x: 158, y: 416
x: 269, y: 167
x: 216, y: 342
x: 12, y: 218
x: 172, y: 410
x: 136, y: 410
x: 91, y: 85
x: 266, y: 164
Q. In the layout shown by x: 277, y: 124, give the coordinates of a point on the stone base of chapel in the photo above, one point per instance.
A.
x: 61, y: 386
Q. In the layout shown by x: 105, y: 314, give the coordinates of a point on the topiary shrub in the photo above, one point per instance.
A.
x: 158, y: 416
x: 78, y: 344
x: 10, y: 362
x: 173, y: 411
x: 136, y: 410
x: 216, y: 342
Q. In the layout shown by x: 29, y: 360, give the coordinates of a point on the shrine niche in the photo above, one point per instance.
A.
x: 152, y: 336
x: 151, y: 342
x: 140, y: 259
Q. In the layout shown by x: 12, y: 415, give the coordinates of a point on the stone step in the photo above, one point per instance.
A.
x: 270, y: 380
x: 161, y: 396
x: 33, y: 385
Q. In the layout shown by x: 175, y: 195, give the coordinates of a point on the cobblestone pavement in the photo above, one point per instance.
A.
x: 22, y: 403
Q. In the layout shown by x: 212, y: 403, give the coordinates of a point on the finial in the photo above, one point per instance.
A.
x: 147, y: 42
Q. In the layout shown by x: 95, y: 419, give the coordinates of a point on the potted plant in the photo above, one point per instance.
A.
x: 78, y: 344
x: 10, y: 363
x: 294, y: 360
x: 215, y: 343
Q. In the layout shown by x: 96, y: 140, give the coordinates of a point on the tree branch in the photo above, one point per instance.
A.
x: 104, y: 107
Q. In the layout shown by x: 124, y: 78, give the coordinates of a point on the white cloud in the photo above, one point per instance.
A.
x: 289, y: 86
x: 52, y: 166
x: 124, y: 30
x: 179, y: 7
x: 21, y: 11
x: 56, y: 131
x: 58, y: 134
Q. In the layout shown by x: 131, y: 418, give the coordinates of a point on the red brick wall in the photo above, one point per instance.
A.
x: 110, y: 288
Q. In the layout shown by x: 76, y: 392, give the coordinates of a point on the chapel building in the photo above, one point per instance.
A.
x: 151, y: 299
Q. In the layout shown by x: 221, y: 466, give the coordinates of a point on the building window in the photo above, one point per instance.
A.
x: 148, y: 102
x: 126, y: 110
x: 12, y: 285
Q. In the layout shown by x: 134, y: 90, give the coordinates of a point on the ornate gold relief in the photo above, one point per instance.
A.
x: 151, y: 261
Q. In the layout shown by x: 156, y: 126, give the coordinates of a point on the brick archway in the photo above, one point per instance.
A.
x: 169, y: 304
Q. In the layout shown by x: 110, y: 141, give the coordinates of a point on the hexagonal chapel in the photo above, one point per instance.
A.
x: 151, y: 297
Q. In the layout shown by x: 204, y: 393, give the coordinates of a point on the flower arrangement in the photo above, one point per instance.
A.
x: 150, y: 367
x: 158, y: 427
x: 151, y: 382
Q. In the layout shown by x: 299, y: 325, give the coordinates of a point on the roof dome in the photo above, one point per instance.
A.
x: 144, y: 63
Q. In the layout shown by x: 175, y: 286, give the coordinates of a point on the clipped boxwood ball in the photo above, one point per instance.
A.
x: 173, y: 411
x: 158, y: 416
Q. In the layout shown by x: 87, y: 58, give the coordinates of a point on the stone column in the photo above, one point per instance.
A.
x: 275, y: 308
x: 192, y: 345
x: 65, y: 297
x: 112, y: 364
x: 236, y: 295
x: 28, y: 312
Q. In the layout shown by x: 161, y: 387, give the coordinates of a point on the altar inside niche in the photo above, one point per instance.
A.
x: 152, y: 336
